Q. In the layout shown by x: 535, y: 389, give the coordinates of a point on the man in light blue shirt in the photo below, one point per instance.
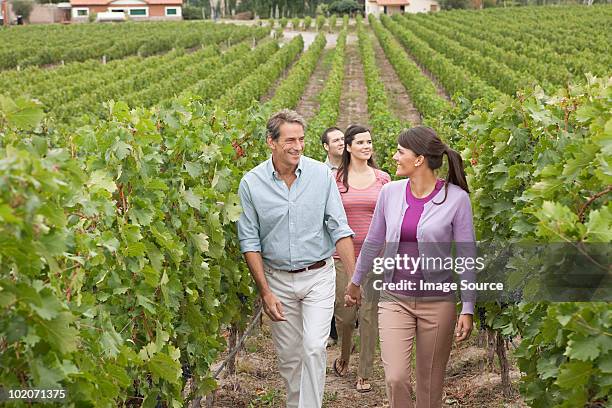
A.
x: 292, y: 222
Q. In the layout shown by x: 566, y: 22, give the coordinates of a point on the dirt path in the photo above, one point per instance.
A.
x: 353, y: 102
x: 258, y: 384
x: 309, y: 37
x: 270, y: 94
x: 309, y: 102
x: 399, y: 100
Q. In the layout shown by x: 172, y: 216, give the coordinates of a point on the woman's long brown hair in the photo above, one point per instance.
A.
x: 424, y: 141
x: 343, y: 169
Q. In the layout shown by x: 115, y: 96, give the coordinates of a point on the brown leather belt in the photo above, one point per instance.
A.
x: 315, y: 265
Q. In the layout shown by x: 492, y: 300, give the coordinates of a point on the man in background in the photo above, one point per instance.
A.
x: 332, y: 140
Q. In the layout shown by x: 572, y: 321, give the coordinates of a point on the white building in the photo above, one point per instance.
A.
x: 378, y: 7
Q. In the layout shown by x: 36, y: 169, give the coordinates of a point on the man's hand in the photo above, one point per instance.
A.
x: 352, y: 295
x: 463, y: 329
x: 273, y: 307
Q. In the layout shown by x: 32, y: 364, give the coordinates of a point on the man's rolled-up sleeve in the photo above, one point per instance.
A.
x: 335, y: 217
x: 248, y: 223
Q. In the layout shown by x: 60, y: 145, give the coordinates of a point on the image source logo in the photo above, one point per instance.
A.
x: 556, y: 272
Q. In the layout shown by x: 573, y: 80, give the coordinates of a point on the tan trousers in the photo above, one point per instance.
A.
x: 308, y: 303
x: 368, y: 321
x: 432, y: 324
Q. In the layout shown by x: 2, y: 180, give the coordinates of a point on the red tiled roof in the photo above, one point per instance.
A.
x: 107, y: 2
x: 393, y: 2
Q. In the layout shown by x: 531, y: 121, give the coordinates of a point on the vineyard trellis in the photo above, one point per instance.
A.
x: 117, y: 237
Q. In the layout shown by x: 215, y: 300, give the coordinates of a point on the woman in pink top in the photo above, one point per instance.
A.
x: 419, y: 216
x: 359, y: 182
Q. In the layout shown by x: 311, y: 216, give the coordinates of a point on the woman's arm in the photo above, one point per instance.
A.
x: 374, y: 241
x: 465, y: 243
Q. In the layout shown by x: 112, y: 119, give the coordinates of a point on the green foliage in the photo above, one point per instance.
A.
x: 295, y: 23
x: 289, y: 91
x: 341, y: 7
x: 332, y: 21
x: 307, y: 22
x: 453, y: 78
x: 530, y: 69
x: 455, y: 4
x: 192, y: 12
x: 385, y: 126
x: 115, y: 242
x: 21, y: 113
x: 77, y: 89
x: 322, y: 9
x: 320, y: 22
x: 242, y: 62
x: 329, y: 102
x: 537, y: 149
x: 423, y: 92
x: 283, y: 22
x: 566, y: 353
x: 47, y: 44
x: 22, y: 7
x: 540, y: 171
x: 493, y: 72
x: 534, y: 33
x: 254, y: 86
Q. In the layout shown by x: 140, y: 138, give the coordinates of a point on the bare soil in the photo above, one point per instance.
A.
x: 309, y: 102
x: 309, y: 37
x: 399, y: 100
x: 353, y: 102
x: 257, y: 383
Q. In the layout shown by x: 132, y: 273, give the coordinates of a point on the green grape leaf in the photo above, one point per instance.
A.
x: 100, y: 180
x: 193, y: 199
x: 582, y: 348
x: 201, y: 241
x: 22, y: 113
x: 162, y: 366
x: 574, y: 374
x: 59, y: 333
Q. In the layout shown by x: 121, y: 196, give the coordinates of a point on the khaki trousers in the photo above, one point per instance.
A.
x: 368, y: 321
x: 308, y: 303
x: 431, y: 324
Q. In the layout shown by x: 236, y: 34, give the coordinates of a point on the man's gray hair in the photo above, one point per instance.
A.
x: 281, y: 117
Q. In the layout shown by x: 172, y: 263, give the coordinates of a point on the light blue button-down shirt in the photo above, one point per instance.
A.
x: 291, y: 228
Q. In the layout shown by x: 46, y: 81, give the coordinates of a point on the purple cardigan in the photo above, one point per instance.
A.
x: 438, y: 228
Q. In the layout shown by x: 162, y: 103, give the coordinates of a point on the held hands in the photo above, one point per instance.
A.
x: 273, y: 307
x: 464, y: 326
x: 352, y: 295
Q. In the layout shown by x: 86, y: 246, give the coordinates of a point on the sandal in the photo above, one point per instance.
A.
x: 340, y: 367
x: 363, y: 385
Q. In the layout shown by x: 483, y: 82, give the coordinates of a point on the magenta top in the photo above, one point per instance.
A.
x: 408, y: 241
x: 441, y: 224
x: 414, y: 211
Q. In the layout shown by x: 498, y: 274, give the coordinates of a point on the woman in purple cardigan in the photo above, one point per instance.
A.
x: 419, y: 217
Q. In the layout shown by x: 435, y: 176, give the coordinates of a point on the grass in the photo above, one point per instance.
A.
x: 269, y: 399
x: 329, y: 397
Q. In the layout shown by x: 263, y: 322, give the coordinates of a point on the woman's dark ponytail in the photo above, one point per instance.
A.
x: 456, y: 173
x: 424, y: 141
